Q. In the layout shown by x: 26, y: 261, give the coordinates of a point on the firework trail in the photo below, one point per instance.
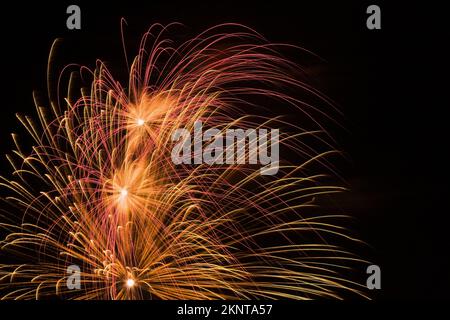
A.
x: 99, y: 189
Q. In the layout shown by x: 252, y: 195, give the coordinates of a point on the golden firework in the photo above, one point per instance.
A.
x: 99, y: 188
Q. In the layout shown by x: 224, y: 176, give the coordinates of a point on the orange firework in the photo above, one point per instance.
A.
x: 100, y: 188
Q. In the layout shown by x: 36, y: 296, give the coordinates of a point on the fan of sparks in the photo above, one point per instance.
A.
x: 97, y: 187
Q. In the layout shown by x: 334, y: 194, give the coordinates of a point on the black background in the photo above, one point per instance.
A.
x: 391, y: 85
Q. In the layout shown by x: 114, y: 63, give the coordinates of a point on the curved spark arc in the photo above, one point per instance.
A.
x: 99, y: 188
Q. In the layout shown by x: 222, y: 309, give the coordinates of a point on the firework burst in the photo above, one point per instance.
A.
x: 99, y: 188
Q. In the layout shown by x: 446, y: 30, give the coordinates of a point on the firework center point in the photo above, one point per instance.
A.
x: 130, y: 283
x: 123, y: 193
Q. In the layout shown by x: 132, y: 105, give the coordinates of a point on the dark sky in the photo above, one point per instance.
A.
x: 389, y: 83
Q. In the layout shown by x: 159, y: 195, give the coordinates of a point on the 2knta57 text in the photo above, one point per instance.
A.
x: 226, y: 309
